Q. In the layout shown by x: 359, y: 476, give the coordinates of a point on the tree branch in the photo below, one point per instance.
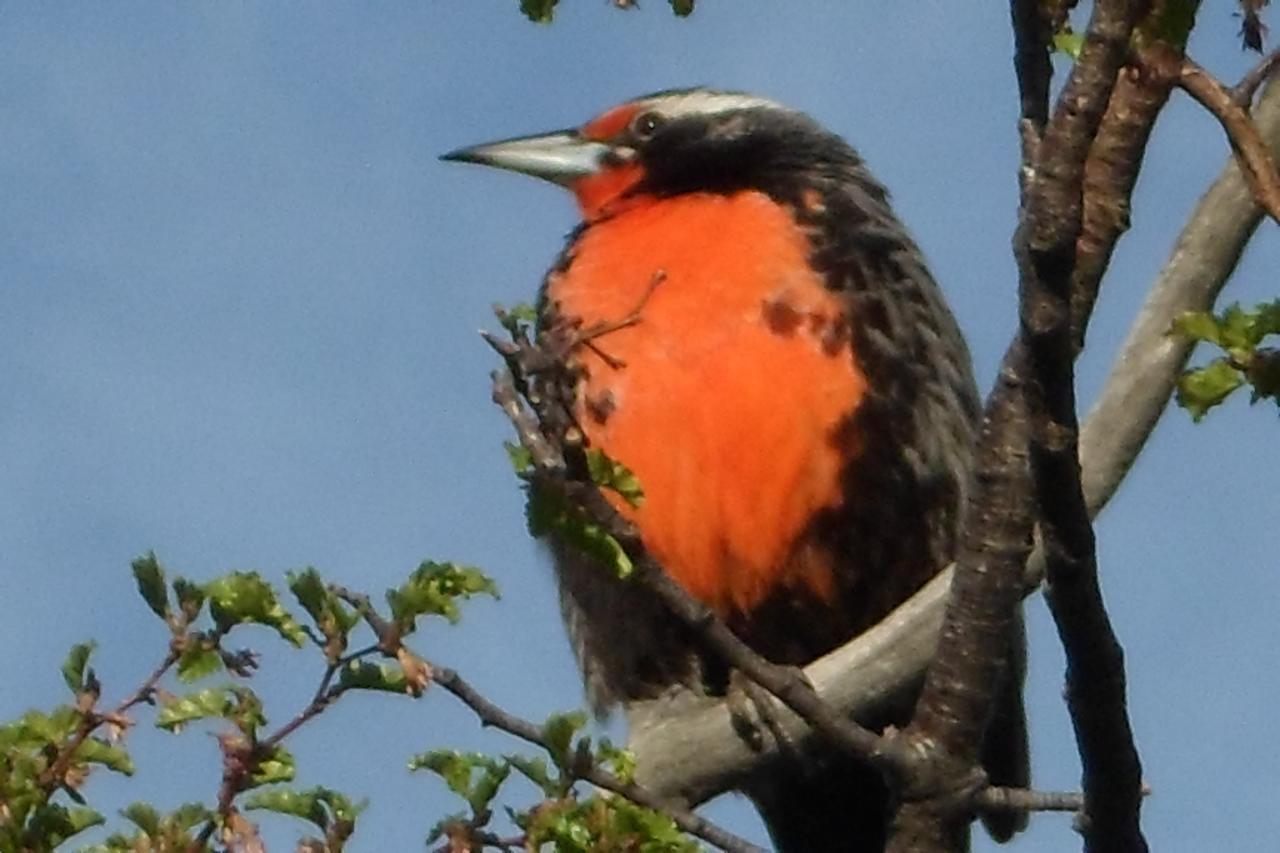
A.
x: 1251, y: 151
x: 492, y: 715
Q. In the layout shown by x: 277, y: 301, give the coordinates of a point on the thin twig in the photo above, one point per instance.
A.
x: 90, y: 721
x: 1242, y: 93
x: 492, y: 715
x: 1251, y: 151
x: 1021, y: 800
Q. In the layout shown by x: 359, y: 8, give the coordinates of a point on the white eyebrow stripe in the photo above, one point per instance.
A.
x: 707, y: 103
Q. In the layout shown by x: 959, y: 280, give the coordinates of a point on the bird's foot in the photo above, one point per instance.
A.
x: 753, y: 712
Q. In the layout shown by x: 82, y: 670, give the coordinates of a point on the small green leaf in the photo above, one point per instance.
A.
x: 1068, y: 42
x: 548, y: 511
x: 682, y: 8
x: 610, y: 474
x: 198, y: 662
x: 620, y: 762
x: 538, y: 11
x: 537, y: 772
x: 365, y: 675
x: 521, y: 458
x: 1201, y: 389
x: 190, y: 598
x: 144, y: 816
x: 559, y: 730
x: 334, y: 619
x: 433, y: 589
x: 450, y: 765
x: 53, y: 823
x: 278, y: 765
x: 111, y: 756
x: 73, y: 669
x: 150, y: 577
x: 238, y: 704
x: 299, y: 804
x: 1198, y: 326
x: 474, y: 776
x: 241, y: 597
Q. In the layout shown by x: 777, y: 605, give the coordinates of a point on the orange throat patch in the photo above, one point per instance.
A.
x: 729, y: 395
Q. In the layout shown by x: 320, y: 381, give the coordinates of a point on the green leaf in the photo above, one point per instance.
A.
x: 537, y: 772
x: 111, y: 756
x: 144, y: 816
x: 474, y: 776
x: 682, y: 8
x: 538, y: 11
x: 433, y: 589
x: 299, y: 804
x: 620, y: 762
x: 197, y: 662
x: 190, y: 598
x: 559, y: 730
x: 277, y: 765
x: 53, y: 823
x: 241, y: 597
x: 334, y: 620
x: 73, y: 668
x: 240, y: 705
x: 521, y: 458
x: 366, y: 675
x: 1201, y: 389
x: 548, y: 511
x: 1068, y: 42
x: 1198, y: 326
x: 177, y: 711
x: 150, y: 578
x: 610, y: 474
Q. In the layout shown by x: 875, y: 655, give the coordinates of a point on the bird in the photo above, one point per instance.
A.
x: 770, y: 356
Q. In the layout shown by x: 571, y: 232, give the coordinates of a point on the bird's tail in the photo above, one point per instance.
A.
x: 840, y: 807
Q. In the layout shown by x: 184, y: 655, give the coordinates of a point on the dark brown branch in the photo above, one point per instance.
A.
x: 1251, y: 151
x: 1032, y: 37
x: 960, y: 684
x: 1113, y: 166
x: 1051, y: 229
x: 492, y: 715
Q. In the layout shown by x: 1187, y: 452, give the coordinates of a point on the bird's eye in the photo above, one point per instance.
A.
x: 645, y: 125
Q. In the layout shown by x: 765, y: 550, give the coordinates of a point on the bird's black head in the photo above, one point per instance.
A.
x: 676, y: 142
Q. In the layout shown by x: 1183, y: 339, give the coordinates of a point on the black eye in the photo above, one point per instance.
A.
x: 645, y: 125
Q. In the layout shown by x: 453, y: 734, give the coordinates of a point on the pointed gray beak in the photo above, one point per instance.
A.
x: 561, y: 157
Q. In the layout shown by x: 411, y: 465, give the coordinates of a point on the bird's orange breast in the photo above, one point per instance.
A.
x: 727, y: 395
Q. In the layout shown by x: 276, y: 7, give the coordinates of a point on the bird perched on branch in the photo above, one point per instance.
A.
x: 771, y: 357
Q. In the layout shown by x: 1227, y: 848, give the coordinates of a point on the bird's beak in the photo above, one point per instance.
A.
x: 561, y: 157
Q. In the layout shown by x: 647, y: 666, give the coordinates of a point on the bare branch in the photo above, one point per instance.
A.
x: 492, y: 715
x: 1242, y: 93
x: 1032, y: 36
x: 1019, y: 800
x: 1255, y: 159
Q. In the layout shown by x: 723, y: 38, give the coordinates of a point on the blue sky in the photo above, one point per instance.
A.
x: 238, y: 309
